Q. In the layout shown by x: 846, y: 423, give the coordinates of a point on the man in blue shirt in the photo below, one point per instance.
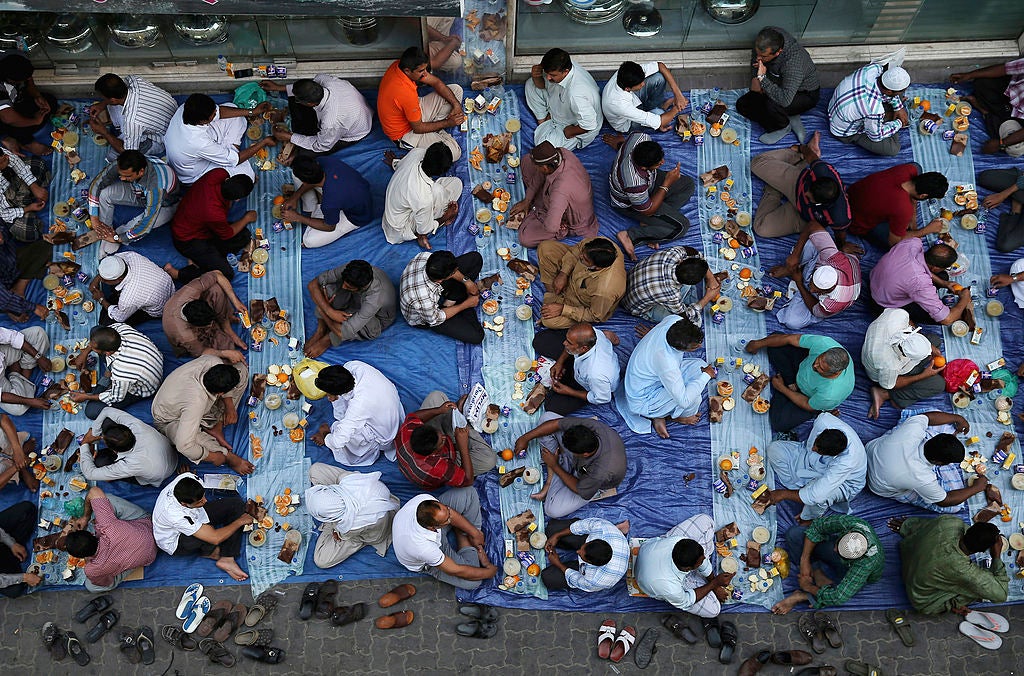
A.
x: 586, y: 369
x: 343, y: 195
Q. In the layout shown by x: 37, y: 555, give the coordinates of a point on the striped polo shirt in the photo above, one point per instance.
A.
x: 146, y: 114
x: 136, y: 368
x: 835, y: 215
x: 630, y: 185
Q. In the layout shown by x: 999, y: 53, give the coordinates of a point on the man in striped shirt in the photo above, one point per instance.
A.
x: 599, y: 544
x: 140, y: 288
x: 139, y: 114
x: 327, y: 113
x: 665, y: 283
x: 23, y: 194
x: 867, y: 110
x: 135, y: 367
x: 643, y: 192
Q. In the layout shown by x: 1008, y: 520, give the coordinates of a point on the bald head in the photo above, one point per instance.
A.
x: 580, y: 338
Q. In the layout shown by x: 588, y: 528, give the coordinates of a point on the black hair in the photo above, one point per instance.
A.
x: 412, y: 58
x: 335, y: 379
x: 437, y: 160
x: 825, y: 190
x: 931, y: 184
x: 198, y: 313
x: 831, y: 442
x: 601, y: 252
x: 979, y: 537
x: 646, y: 154
x: 188, y: 491
x: 307, y: 91
x: 684, y: 334
x: 454, y: 290
x: 198, y: 108
x: 81, y: 544
x: 16, y: 68
x: 131, y: 159
x: 105, y: 338
x: 357, y: 273
x: 426, y: 513
x: 423, y: 440
x: 440, y: 264
x: 940, y: 256
x: 556, y: 60
x: 686, y: 554
x: 769, y: 38
x: 118, y: 438
x: 691, y: 270
x: 236, y: 187
x: 597, y: 552
x: 580, y: 440
x: 630, y: 74
x: 111, y: 86
x: 944, y: 449
x: 307, y: 169
x: 221, y: 378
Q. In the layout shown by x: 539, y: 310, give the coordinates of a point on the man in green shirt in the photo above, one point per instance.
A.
x: 937, y: 568
x: 812, y: 374
x: 846, y: 546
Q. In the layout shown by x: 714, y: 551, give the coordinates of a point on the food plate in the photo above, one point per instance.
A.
x: 724, y: 303
x: 743, y: 219
x: 994, y: 308
x: 277, y: 211
x: 282, y: 327
x: 761, y: 535
x: 483, y: 215
x: 1016, y: 539
x: 728, y: 404
x: 1017, y: 481
x: 258, y: 270
x: 258, y: 333
x: 716, y: 222
x: 538, y: 540
x: 513, y: 125
x: 258, y: 537
x: 254, y: 132
x: 51, y: 282
x: 729, y: 564
x: 272, y: 401
x: 490, y: 307
x: 99, y: 140
x: 959, y: 328
x: 729, y: 135
x: 968, y: 221
x: 57, y: 364
x: 260, y: 255
x: 760, y: 405
x: 511, y: 566
x: 961, y: 400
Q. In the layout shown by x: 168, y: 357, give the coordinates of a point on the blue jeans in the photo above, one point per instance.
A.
x: 651, y: 96
x: 824, y: 553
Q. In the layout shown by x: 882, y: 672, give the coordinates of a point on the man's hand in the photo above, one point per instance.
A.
x: 19, y: 552
x: 36, y: 402
x: 522, y: 443
x: 81, y: 523
x: 549, y: 546
x: 450, y: 213
x: 672, y: 175
x: 761, y: 68
x: 895, y: 523
x: 476, y: 538
x: 31, y: 579
x: 89, y: 437
x: 558, y: 387
x: 991, y: 146
x: 550, y: 459
x: 19, y: 459
x: 43, y: 362
x: 456, y: 117
x: 250, y: 216
x: 992, y: 201
x: 105, y: 232
x: 997, y: 549
x: 79, y: 397
x: 551, y: 310
x: 753, y: 346
x: 902, y: 116
x: 710, y: 370
x: 957, y: 78
x: 271, y: 86
x: 779, y: 383
x: 961, y: 424
x: 519, y: 207
x: 38, y: 205
x: 722, y: 579
x: 559, y: 283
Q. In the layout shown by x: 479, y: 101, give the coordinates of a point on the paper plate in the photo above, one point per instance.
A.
x: 728, y: 404
x: 961, y: 400
x: 70, y: 139
x: 743, y: 219
x: 729, y: 135
x: 968, y: 221
x: 258, y: 537
x: 959, y: 328
x: 51, y: 282
x: 729, y: 564
x: 61, y: 209
x: 483, y: 215
x: 1017, y: 481
x: 254, y: 132
x: 716, y: 222
x: 260, y: 255
x: 57, y: 364
x: 99, y: 140
x: 531, y: 475
x: 761, y: 535
x: 1016, y: 539
x: 513, y: 125
x: 511, y: 566
x: 277, y: 211
x: 538, y: 540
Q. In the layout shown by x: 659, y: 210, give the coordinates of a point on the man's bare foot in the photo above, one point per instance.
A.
x: 612, y: 337
x: 389, y: 158
x: 315, y: 347
x: 820, y: 578
x: 780, y: 271
x: 814, y: 143
x: 171, y: 270
x: 642, y: 330
x: 239, y: 464
x: 487, y: 282
x: 318, y: 437
x: 37, y: 148
x: 688, y: 419
x: 653, y: 245
x: 853, y: 249
x: 878, y: 399
x: 787, y: 604
x: 229, y: 566
x: 896, y: 523
x: 623, y: 527
x: 627, y: 244
x: 660, y: 428
x: 614, y: 140
x: 541, y: 494
x: 423, y: 242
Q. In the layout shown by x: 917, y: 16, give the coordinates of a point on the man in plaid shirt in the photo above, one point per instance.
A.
x: 437, y: 292
x: 999, y: 96
x: 665, y: 283
x: 866, y: 108
x: 602, y: 549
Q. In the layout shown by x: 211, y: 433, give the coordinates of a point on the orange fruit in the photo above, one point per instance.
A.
x: 957, y: 288
x: 939, y: 362
x: 745, y: 273
x: 279, y: 200
x: 507, y: 454
x: 926, y: 105
x: 725, y: 463
x: 533, y: 569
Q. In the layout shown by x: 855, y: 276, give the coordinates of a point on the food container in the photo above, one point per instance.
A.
x: 729, y: 564
x: 272, y: 401
x: 538, y: 540
x: 524, y: 312
x: 716, y: 222
x: 961, y: 400
x: 993, y: 308
x: 968, y: 221
x: 959, y: 328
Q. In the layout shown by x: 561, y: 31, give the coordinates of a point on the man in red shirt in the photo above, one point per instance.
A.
x: 883, y: 204
x: 201, y: 231
x: 437, y: 447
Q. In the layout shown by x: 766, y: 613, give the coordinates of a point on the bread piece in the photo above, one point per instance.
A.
x: 715, y: 409
x: 755, y: 388
x: 727, y: 532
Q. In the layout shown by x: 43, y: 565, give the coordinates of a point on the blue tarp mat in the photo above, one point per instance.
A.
x: 653, y: 495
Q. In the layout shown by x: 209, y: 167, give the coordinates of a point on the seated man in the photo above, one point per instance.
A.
x: 13, y: 458
x: 367, y: 413
x: 443, y: 42
x: 662, y: 380
x: 23, y: 195
x: 801, y: 188
x: 197, y: 318
x: 139, y: 114
x: 203, y: 136
x: 665, y: 283
x: 201, y: 231
x: 130, y: 288
x: 900, y: 362
x: 420, y: 198
x: 907, y: 277
x: 785, y: 84
x: 630, y: 98
x: 327, y: 113
x: 582, y: 283
x: 414, y: 121
x: 884, y: 206
x: 18, y: 266
x: 185, y: 523
x: 133, y: 181
x: 17, y: 526
x: 999, y: 97
x: 134, y: 368
x: 20, y: 353
x: 437, y: 447
x: 867, y: 108
x: 676, y: 568
x: 585, y: 459
x: 566, y: 101
x: 336, y: 197
x: 827, y: 280
x: 421, y: 529
x: 938, y: 573
x: 355, y: 509
x: 812, y: 374
x: 601, y: 547
x: 437, y: 292
x: 840, y: 545
x: 24, y: 109
x: 1006, y: 184
x: 586, y: 369
x: 905, y: 463
x: 132, y: 450
x: 825, y: 472
x: 354, y: 301
x: 194, y: 404
x: 559, y: 201
x: 123, y: 540
x: 641, y: 191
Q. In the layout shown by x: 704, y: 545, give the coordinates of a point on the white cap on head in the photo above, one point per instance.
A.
x: 112, y: 267
x: 825, y: 277
x: 853, y: 546
x: 896, y: 79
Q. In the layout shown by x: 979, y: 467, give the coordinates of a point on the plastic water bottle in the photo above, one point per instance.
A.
x: 232, y: 260
x: 222, y: 63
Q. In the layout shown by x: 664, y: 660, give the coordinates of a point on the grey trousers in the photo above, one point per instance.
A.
x: 480, y: 451
x: 905, y: 397
x: 466, y: 502
x: 331, y: 550
x: 889, y: 147
x: 125, y: 511
x: 561, y: 500
x: 1010, y: 236
x: 666, y: 223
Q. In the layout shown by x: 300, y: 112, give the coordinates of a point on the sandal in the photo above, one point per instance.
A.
x: 263, y: 654
x: 729, y: 639
x: 75, y: 648
x: 823, y: 670
x: 646, y: 648
x: 679, y: 628
x: 177, y: 638
x: 897, y: 618
x: 310, y: 596
x: 989, y: 621
x: 829, y: 626
x: 188, y: 599
x: 861, y: 668
x: 402, y: 618
x: 228, y: 625
x: 53, y: 639
x: 264, y: 606
x: 712, y: 633
x: 97, y: 605
x: 809, y: 628
x: 753, y: 664
x: 255, y: 637
x: 792, y: 658
x: 476, y: 629
x: 326, y: 598
x: 128, y: 647
x: 983, y: 637
x: 147, y: 648
x: 217, y: 653
x: 479, y: 612
x: 196, y: 615
x: 606, y: 639
x: 397, y: 595
x: 343, y: 615
x: 104, y: 624
x: 623, y: 643
x: 213, y: 618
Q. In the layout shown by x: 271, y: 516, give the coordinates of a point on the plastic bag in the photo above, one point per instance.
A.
x: 957, y: 372
x: 249, y: 95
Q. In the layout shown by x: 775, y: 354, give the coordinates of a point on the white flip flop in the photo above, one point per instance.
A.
x: 188, y: 599
x: 198, y: 612
x: 989, y: 621
x: 986, y: 639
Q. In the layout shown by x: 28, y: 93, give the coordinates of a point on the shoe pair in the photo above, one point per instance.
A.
x: 612, y: 647
x: 61, y: 644
x: 483, y: 624
x: 984, y: 628
x: 792, y: 658
x: 137, y: 645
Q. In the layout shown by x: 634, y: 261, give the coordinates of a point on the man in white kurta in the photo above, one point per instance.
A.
x: 566, y: 102
x: 194, y: 149
x: 367, y: 413
x: 415, y: 203
x: 20, y: 353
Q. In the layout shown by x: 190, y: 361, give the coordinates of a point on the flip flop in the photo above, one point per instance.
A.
x: 264, y: 606
x: 177, y: 638
x: 97, y: 605
x: 255, y: 637
x: 897, y: 618
x: 829, y: 626
x: 397, y: 595
x: 188, y: 599
x: 105, y: 622
x: 343, y: 615
x: 479, y: 612
x: 983, y: 637
x: 263, y: 654
x: 216, y: 652
x: 75, y: 648
x: 476, y: 629
x: 606, y: 639
x: 858, y: 668
x: 623, y: 643
x: 213, y: 618
x: 230, y: 622
x: 310, y: 596
x: 679, y: 628
x: 147, y: 648
x: 196, y: 615
x: 326, y: 598
x: 712, y: 633
x: 402, y: 618
x: 729, y: 639
x: 128, y: 646
x: 53, y: 639
x: 646, y: 648
x: 809, y: 628
x: 988, y: 621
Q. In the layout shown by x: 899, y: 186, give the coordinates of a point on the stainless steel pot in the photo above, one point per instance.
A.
x: 731, y: 11
x: 641, y: 20
x: 71, y: 33
x: 134, y: 32
x: 356, y: 30
x: 201, y: 29
x: 592, y: 13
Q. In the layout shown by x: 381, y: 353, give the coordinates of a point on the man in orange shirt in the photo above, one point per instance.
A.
x: 412, y: 121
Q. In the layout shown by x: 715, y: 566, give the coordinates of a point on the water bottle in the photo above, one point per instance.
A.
x: 232, y: 260
x: 222, y: 63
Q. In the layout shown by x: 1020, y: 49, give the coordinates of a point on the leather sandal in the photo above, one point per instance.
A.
x: 310, y: 597
x: 213, y: 618
x: 128, y: 646
x: 325, y: 601
x: 147, y: 648
x: 402, y: 618
x: 96, y: 605
x: 230, y: 622
x: 216, y: 652
x: 105, y: 622
x: 343, y: 615
x: 397, y: 595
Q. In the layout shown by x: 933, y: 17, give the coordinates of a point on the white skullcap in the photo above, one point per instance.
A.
x: 825, y: 277
x: 853, y: 546
x: 112, y: 267
x: 915, y: 346
x: 896, y: 79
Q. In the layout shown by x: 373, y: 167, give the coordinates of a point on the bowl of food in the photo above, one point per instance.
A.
x: 538, y: 540
x: 282, y: 327
x: 258, y: 537
x: 511, y: 566
x: 524, y: 312
x: 260, y: 255
x: 258, y: 270
x: 490, y: 307
x: 729, y: 135
x: 968, y: 221
x: 743, y: 219
x: 57, y: 364
x: 716, y: 222
x: 994, y: 308
x: 760, y: 405
x: 961, y: 400
x: 959, y: 328
x: 273, y: 401
x: 483, y: 215
x: 729, y: 565
x: 724, y: 388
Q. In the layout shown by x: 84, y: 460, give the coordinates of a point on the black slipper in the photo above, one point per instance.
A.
x: 75, y: 648
x: 53, y: 639
x: 310, y: 596
x: 325, y: 599
x: 645, y: 648
x: 679, y: 628
x: 147, y: 648
x: 97, y: 605
x: 102, y: 626
x: 263, y: 654
x: 177, y: 638
x: 343, y: 615
x: 479, y: 612
x: 729, y: 639
x: 476, y: 629
x: 711, y: 633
